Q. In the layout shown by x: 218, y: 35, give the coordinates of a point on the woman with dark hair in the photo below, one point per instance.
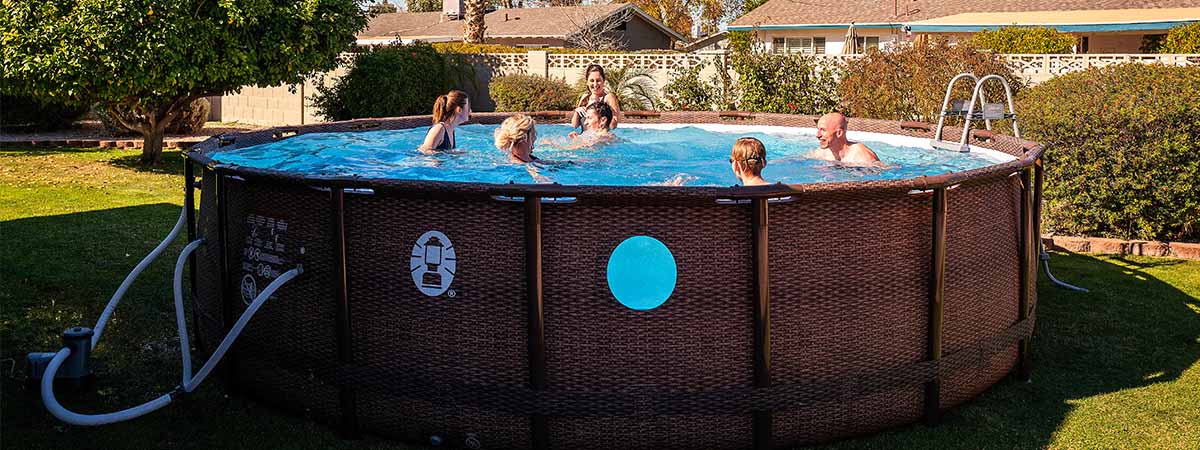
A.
x: 449, y: 111
x: 594, y: 77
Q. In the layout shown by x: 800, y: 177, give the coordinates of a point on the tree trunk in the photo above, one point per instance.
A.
x: 475, y: 25
x: 152, y: 144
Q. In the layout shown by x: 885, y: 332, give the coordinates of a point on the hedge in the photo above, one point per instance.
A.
x: 1123, y: 160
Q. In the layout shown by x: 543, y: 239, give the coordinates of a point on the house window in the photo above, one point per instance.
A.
x: 862, y: 43
x: 805, y: 45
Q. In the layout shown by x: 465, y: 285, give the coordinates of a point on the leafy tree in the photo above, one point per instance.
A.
x: 1014, y: 39
x: 1182, y: 39
x: 424, y: 5
x: 382, y: 7
x: 154, y: 57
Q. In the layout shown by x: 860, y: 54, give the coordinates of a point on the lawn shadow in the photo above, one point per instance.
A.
x: 171, y: 163
x: 1132, y: 330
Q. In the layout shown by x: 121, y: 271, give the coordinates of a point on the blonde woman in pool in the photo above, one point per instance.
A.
x: 516, y: 136
x: 747, y: 159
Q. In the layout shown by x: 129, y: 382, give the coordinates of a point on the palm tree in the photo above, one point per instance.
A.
x: 474, y: 17
x: 635, y: 88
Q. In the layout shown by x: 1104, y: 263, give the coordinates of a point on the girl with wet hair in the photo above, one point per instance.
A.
x: 449, y: 111
x: 747, y: 159
x: 593, y: 76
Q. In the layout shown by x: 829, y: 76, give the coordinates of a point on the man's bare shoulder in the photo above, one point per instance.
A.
x: 860, y: 153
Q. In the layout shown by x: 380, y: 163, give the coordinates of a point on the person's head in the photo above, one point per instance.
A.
x: 452, y: 108
x: 516, y: 135
x: 599, y: 115
x: 594, y: 76
x: 748, y: 158
x: 831, y: 130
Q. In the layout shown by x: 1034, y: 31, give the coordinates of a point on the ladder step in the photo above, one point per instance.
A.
x: 951, y: 146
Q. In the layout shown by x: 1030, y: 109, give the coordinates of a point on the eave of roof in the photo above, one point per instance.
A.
x: 1064, y: 21
x: 810, y: 26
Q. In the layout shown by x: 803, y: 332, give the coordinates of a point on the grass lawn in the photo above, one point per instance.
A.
x: 1116, y: 368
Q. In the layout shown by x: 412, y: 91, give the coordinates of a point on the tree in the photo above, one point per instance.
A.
x: 424, y: 5
x: 382, y: 7
x: 596, y: 31
x: 475, y: 27
x: 1182, y: 39
x: 154, y: 57
x: 682, y: 15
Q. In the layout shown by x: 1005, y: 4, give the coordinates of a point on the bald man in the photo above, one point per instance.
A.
x: 831, y: 133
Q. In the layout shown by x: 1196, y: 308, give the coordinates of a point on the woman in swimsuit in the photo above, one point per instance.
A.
x: 515, y: 136
x: 594, y: 74
x: 449, y: 111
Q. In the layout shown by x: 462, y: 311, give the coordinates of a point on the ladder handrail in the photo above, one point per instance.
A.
x: 978, y: 96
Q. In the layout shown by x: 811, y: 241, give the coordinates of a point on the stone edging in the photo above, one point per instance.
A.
x: 1183, y: 250
x: 105, y: 143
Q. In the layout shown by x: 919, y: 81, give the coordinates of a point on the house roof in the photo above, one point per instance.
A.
x: 1065, y: 21
x: 545, y: 22
x: 839, y: 13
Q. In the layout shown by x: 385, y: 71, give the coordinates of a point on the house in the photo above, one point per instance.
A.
x: 1100, y: 26
x: 630, y: 27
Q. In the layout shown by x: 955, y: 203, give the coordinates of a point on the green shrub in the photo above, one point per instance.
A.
x: 1122, y: 156
x: 188, y: 121
x: 21, y: 113
x: 1182, y: 39
x: 909, y: 82
x: 687, y: 91
x: 531, y: 93
x: 1014, y: 39
x: 386, y: 81
x: 787, y: 83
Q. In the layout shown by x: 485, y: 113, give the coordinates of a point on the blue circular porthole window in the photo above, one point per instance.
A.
x: 641, y: 273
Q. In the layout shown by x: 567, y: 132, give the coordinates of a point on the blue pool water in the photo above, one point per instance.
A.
x: 685, y: 155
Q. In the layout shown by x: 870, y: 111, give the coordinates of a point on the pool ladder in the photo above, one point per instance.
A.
x: 987, y: 112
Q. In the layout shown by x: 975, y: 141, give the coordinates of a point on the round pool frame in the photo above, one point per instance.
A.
x: 802, y: 313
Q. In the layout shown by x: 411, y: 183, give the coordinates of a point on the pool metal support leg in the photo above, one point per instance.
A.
x: 346, y: 394
x: 762, y: 320
x: 189, y: 203
x: 227, y: 299
x: 937, y: 292
x: 1028, y: 267
x: 536, y: 318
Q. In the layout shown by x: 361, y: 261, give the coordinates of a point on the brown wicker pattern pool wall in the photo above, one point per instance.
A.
x: 801, y: 313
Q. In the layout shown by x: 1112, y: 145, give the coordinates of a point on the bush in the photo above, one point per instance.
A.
x: 1182, y: 39
x: 1024, y: 40
x: 531, y: 93
x: 1122, y: 160
x: 687, y: 92
x: 188, y: 121
x: 386, y: 81
x: 789, y: 83
x: 21, y: 113
x: 909, y: 82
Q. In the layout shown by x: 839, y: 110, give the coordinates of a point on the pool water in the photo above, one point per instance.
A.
x: 687, y: 155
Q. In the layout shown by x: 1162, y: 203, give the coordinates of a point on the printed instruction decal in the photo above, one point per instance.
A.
x: 433, y: 264
x: 264, y: 256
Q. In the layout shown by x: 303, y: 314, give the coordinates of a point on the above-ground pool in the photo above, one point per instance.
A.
x: 498, y: 313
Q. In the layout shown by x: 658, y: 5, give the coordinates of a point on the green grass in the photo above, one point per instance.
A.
x: 1116, y: 368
